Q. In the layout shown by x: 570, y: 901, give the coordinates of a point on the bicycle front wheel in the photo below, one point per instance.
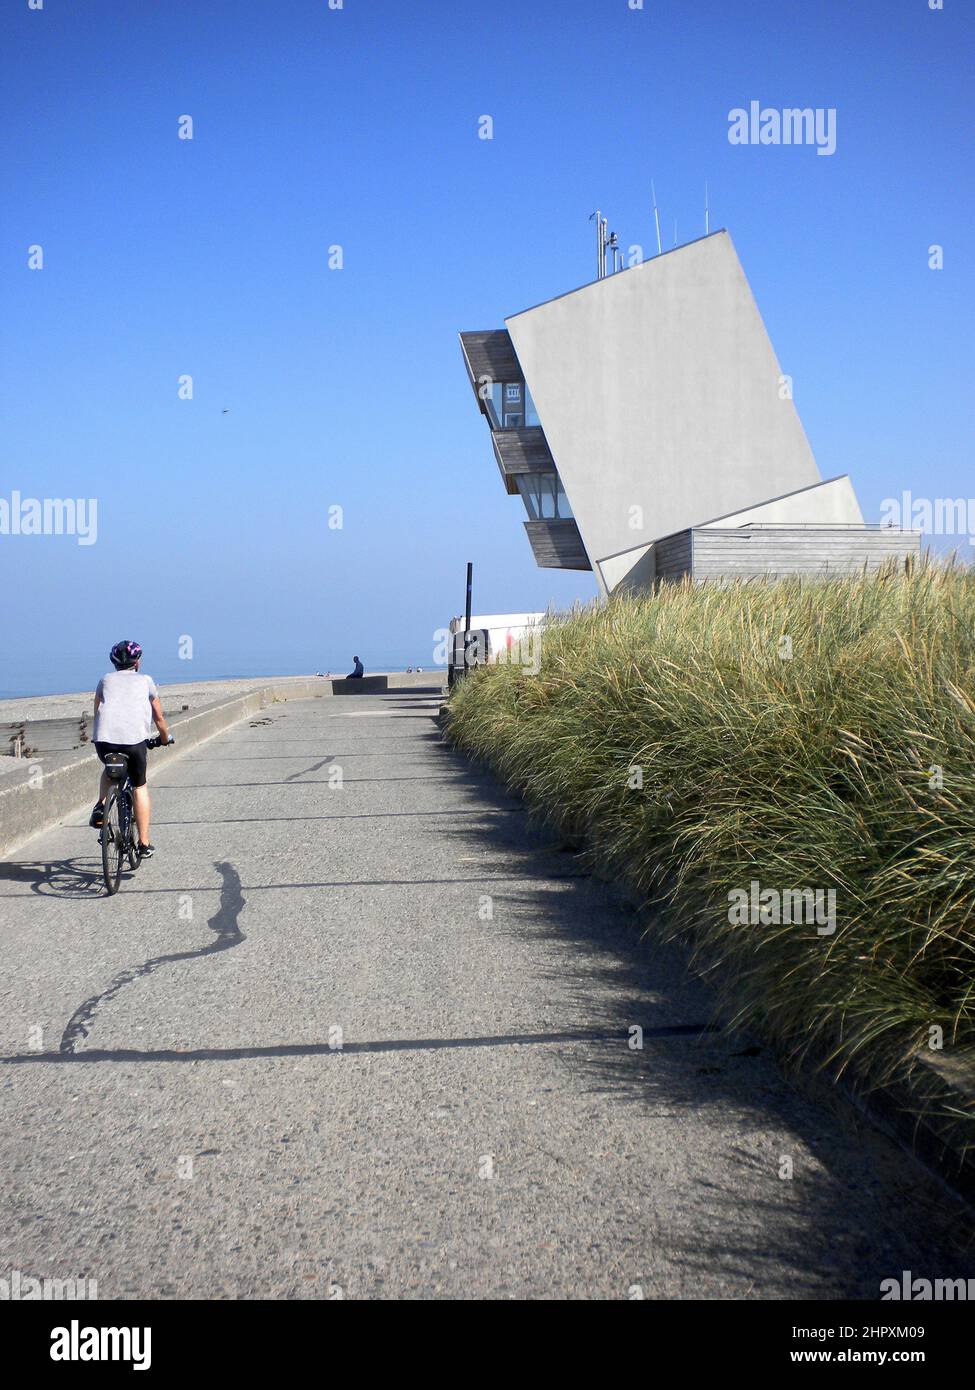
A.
x: 113, y: 843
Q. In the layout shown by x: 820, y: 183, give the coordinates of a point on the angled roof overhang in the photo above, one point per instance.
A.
x: 521, y: 451
x: 489, y: 356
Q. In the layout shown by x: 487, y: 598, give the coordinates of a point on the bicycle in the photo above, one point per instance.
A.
x: 119, y: 834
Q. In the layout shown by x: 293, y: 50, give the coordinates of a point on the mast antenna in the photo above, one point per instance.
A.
x: 600, y: 243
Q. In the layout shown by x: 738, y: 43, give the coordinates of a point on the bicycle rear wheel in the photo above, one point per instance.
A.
x: 113, y: 846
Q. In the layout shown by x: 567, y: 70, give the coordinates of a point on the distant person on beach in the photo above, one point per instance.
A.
x: 126, y: 707
x: 358, y: 672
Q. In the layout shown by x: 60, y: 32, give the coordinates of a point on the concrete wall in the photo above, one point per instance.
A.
x: 633, y: 570
x: 833, y: 503
x: 658, y: 387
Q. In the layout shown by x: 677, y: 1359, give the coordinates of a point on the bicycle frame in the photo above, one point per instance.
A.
x: 126, y: 809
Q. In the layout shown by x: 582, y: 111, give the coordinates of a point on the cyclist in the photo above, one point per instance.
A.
x: 126, y: 707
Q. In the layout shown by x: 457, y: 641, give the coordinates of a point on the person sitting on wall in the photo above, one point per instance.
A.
x: 358, y: 672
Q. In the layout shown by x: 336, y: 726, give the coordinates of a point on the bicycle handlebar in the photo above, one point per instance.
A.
x: 157, y: 742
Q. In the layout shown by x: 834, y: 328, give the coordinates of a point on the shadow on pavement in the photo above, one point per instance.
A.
x: 77, y: 877
x: 236, y: 1054
x: 856, y: 1209
x: 227, y: 933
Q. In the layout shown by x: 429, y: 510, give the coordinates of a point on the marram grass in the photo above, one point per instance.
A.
x: 794, y: 734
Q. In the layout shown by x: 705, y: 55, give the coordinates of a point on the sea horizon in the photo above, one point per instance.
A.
x: 166, y: 677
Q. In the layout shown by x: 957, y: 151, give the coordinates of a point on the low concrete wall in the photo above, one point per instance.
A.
x: 375, y: 685
x: 48, y: 791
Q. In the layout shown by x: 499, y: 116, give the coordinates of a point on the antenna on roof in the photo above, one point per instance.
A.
x: 614, y: 246
x: 600, y: 243
x: 656, y: 214
x: 675, y: 231
x: 707, y: 212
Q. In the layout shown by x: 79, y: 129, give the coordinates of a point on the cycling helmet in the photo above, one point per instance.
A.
x: 124, y: 655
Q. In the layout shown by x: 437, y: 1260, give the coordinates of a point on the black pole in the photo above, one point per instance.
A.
x: 467, y: 610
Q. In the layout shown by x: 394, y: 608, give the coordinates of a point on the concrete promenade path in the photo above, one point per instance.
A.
x: 177, y: 1118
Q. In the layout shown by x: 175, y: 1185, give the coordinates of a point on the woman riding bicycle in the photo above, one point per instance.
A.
x: 126, y: 707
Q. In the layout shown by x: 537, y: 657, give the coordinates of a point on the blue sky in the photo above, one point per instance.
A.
x: 358, y: 127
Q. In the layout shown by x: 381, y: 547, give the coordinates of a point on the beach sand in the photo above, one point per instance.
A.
x: 191, y: 693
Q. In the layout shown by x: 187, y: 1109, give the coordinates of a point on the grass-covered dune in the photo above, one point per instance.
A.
x: 743, y: 753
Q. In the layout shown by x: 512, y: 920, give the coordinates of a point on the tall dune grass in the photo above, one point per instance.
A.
x: 815, y: 769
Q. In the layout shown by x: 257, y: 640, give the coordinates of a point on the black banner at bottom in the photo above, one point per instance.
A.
x: 173, y: 1338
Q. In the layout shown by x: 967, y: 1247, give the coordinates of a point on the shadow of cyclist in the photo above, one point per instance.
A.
x: 78, y: 877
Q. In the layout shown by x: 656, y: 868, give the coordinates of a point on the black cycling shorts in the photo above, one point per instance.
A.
x: 137, y: 754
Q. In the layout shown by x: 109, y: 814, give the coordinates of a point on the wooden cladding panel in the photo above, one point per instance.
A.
x: 672, y: 556
x: 734, y: 553
x: 557, y: 544
x: 522, y: 451
x: 491, y: 354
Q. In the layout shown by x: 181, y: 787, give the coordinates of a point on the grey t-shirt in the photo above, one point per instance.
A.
x: 125, y: 715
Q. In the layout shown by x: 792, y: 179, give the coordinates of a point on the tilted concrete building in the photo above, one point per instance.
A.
x: 648, y: 428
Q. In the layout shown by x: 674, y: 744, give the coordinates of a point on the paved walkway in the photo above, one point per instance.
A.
x: 178, y: 1121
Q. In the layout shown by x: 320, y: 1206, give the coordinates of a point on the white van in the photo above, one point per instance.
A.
x: 495, y: 638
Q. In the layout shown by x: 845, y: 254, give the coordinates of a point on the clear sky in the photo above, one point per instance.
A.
x: 358, y: 127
